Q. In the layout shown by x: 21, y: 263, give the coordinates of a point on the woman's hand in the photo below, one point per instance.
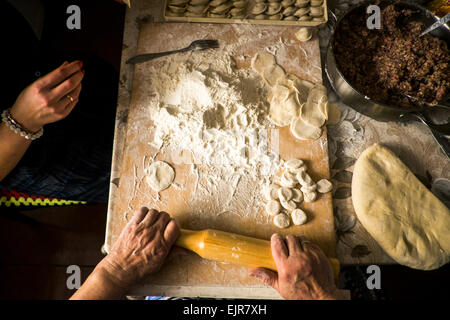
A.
x: 304, y: 272
x: 141, y: 248
x: 50, y: 98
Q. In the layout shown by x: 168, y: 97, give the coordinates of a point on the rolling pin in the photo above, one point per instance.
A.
x: 233, y: 248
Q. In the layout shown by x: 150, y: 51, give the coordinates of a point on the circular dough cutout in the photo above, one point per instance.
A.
x: 160, y: 175
x: 304, y: 131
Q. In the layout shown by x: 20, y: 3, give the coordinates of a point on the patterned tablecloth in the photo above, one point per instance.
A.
x: 412, y: 142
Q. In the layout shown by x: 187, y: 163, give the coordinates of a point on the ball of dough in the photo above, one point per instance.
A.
x: 160, y: 175
x: 299, y: 217
x: 271, y: 192
x: 273, y: 207
x: 293, y: 164
x: 304, y: 179
x: 288, y: 180
x: 281, y: 220
x: 297, y: 195
x: 310, y: 196
x: 288, y: 205
x: 409, y: 222
x: 310, y: 188
x: 324, y: 186
x: 285, y: 194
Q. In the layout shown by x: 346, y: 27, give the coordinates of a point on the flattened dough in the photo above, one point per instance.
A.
x: 283, y: 113
x: 400, y: 213
x: 310, y: 111
x: 160, y: 175
x: 273, y: 74
x: 262, y: 61
x: 304, y: 131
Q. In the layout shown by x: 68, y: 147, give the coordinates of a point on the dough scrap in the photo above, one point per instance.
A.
x: 324, y: 186
x: 299, y: 217
x: 281, y: 220
x: 160, y: 175
x: 273, y: 207
x: 304, y: 131
x: 409, y: 222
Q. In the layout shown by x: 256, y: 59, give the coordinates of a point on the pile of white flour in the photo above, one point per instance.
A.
x: 211, y: 115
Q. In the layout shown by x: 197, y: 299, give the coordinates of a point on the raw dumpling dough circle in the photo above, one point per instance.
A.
x: 282, y: 113
x: 304, y: 131
x: 262, y: 61
x: 160, y: 175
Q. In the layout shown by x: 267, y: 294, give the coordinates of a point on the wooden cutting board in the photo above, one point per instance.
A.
x: 301, y: 59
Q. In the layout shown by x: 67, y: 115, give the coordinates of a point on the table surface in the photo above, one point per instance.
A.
x: 412, y: 142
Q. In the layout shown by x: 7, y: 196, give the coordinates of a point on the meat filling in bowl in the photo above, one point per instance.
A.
x: 384, y: 64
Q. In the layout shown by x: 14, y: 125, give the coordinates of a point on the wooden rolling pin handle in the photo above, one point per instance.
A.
x: 233, y: 248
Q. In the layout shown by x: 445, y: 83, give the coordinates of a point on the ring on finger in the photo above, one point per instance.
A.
x: 70, y: 98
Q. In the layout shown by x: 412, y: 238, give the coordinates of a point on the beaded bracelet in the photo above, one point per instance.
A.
x: 17, y: 128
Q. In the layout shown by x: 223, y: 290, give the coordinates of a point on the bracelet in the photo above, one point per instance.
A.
x: 12, y: 124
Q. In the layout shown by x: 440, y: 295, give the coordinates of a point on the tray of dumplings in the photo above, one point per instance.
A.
x: 308, y: 13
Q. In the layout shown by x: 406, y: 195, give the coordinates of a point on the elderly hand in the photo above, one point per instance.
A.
x: 304, y: 272
x: 50, y: 98
x: 141, y: 248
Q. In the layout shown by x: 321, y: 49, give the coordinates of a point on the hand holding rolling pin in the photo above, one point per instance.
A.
x: 304, y: 272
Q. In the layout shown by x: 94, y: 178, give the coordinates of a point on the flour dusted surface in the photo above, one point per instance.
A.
x: 211, y: 115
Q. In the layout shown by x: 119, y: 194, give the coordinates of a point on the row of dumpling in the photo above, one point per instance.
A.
x: 289, y: 10
x: 206, y: 8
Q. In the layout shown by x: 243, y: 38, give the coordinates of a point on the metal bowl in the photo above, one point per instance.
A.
x: 367, y: 105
